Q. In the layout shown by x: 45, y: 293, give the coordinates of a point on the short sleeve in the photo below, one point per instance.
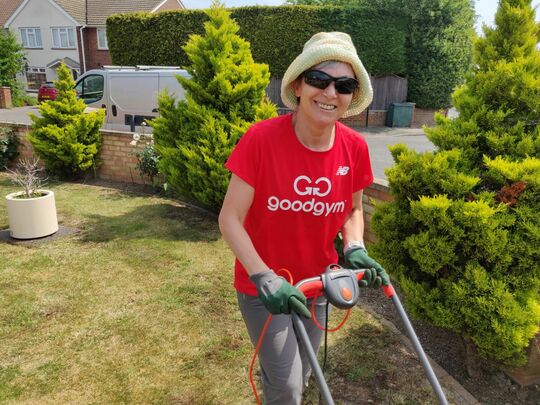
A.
x: 244, y: 159
x: 363, y: 174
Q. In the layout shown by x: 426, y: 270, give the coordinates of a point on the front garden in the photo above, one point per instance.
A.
x: 138, y: 307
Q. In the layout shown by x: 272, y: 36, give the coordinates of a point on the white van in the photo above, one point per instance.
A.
x: 128, y: 94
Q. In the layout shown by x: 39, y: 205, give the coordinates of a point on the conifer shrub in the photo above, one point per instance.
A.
x: 224, y: 97
x: 65, y: 137
x: 463, y: 234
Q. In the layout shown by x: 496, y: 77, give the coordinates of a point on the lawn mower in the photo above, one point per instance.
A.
x: 340, y: 287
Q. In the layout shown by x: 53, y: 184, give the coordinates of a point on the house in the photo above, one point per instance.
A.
x: 72, y: 32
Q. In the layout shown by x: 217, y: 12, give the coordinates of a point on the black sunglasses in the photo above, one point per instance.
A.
x: 321, y: 80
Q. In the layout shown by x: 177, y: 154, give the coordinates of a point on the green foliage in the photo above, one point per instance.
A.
x: 65, y: 137
x: 224, y: 96
x: 12, y: 61
x: 276, y: 34
x: 11, y: 58
x: 152, y: 38
x: 463, y: 234
x: 147, y: 162
x: 9, y: 143
x: 438, y: 49
x: 429, y: 42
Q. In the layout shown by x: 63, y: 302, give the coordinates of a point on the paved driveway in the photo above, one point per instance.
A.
x: 18, y: 115
x: 378, y: 138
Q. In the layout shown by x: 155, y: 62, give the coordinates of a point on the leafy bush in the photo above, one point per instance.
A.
x: 276, y: 35
x: 65, y: 137
x: 9, y: 143
x: 427, y: 41
x: 19, y: 96
x: 224, y: 96
x: 438, y: 49
x: 148, y: 162
x: 463, y: 234
x: 147, y: 158
x: 11, y: 58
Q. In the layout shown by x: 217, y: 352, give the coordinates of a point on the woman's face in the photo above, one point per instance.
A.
x: 324, y: 106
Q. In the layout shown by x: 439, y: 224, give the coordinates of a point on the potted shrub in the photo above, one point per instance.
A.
x: 32, y: 211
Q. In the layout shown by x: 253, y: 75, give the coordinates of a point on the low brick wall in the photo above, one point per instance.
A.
x: 377, y: 118
x: 425, y: 116
x: 118, y: 158
x: 376, y: 193
x: 117, y: 155
x: 118, y: 163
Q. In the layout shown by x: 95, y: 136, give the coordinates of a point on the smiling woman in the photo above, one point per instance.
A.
x: 282, y: 212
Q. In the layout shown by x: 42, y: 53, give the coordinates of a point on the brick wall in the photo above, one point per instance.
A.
x: 95, y: 58
x: 5, y: 97
x: 118, y: 164
x: 376, y: 193
x: 376, y: 118
x: 425, y: 116
x: 117, y: 156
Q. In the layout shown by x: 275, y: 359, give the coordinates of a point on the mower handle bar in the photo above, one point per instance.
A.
x: 314, y: 285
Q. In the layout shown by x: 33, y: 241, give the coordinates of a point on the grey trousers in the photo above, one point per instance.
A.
x: 285, y: 368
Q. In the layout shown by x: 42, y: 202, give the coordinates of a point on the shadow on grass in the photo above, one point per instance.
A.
x: 158, y: 221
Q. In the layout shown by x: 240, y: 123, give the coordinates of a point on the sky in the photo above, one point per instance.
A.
x: 485, y: 9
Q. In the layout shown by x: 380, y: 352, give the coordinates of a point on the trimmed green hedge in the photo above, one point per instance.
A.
x: 439, y: 49
x: 430, y: 45
x: 276, y: 34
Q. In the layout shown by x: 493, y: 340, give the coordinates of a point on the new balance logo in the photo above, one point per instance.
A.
x: 342, y: 170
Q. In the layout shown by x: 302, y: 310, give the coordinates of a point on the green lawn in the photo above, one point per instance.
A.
x: 138, y: 307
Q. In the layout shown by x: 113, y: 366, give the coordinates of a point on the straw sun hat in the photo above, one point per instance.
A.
x: 328, y: 46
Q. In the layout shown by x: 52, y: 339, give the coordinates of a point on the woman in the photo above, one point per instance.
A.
x: 296, y: 182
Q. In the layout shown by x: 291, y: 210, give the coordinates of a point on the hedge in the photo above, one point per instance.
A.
x: 276, y: 34
x: 430, y: 45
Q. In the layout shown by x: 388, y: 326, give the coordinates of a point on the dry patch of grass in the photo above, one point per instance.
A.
x: 139, y: 308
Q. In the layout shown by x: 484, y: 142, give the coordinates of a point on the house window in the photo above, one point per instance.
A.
x: 102, y: 38
x: 31, y: 37
x: 35, y: 77
x: 63, y: 37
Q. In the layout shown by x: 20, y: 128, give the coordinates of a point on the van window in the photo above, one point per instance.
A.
x: 90, y: 88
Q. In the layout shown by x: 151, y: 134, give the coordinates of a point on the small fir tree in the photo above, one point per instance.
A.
x: 224, y: 96
x: 65, y: 137
x: 463, y: 234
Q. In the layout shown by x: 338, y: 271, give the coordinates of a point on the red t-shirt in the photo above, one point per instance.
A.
x: 301, y: 197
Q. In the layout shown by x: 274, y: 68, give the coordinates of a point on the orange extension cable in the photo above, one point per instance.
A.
x: 265, y: 327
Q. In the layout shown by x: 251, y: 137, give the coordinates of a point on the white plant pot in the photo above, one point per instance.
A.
x: 31, y: 218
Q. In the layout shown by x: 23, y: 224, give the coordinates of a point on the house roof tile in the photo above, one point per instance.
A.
x: 99, y: 10
x: 7, y: 8
x: 75, y: 8
x: 88, y: 12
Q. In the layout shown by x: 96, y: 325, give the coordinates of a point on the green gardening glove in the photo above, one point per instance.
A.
x: 375, y: 275
x: 278, y: 296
